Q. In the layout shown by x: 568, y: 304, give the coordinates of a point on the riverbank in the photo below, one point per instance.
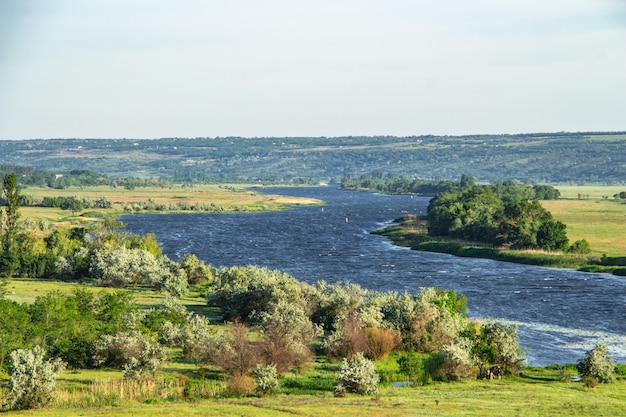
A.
x: 411, y: 231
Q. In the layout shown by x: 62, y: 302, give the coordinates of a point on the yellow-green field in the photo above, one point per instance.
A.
x: 230, y: 198
x: 601, y: 221
x: 589, y: 191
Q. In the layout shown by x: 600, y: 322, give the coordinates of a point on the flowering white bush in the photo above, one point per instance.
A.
x: 357, y: 375
x: 134, y: 352
x: 457, y: 361
x: 122, y: 266
x: 265, y: 379
x: 32, y: 379
x: 597, y: 364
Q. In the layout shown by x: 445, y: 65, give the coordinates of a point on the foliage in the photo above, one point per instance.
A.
x: 122, y: 266
x: 32, y: 379
x: 197, y: 271
x: 347, y: 339
x: 597, y: 364
x: 380, y: 342
x: 66, y: 325
x: 412, y: 365
x: 357, y: 375
x: 14, y: 327
x: 195, y: 337
x: 240, y: 291
x: 236, y: 354
x: 495, y: 343
x: 580, y: 247
x: 497, y: 215
x: 265, y: 380
x: 138, y: 355
x: 457, y: 360
x: 287, y: 334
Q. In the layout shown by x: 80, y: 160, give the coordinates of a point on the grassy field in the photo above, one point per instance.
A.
x: 590, y: 212
x: 601, y: 222
x: 537, y: 392
x: 589, y: 191
x: 228, y: 198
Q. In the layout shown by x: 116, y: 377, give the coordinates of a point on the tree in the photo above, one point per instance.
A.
x: 11, y: 193
x: 9, y: 256
x: 597, y: 364
x: 551, y: 235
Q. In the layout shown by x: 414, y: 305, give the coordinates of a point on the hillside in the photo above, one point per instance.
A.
x: 541, y: 157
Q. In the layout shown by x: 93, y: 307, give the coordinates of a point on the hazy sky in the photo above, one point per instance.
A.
x: 188, y: 68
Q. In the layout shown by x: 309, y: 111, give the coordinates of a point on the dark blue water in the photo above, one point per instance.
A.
x: 561, y: 313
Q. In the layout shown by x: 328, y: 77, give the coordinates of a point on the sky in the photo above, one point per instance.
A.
x: 208, y: 68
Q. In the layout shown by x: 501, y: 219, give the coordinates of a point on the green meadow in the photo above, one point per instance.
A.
x: 183, y: 388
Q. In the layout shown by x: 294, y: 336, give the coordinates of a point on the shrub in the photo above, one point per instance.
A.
x: 239, y: 386
x: 175, y: 284
x: 412, y: 366
x: 236, y: 354
x: 580, y: 246
x: 380, y: 342
x: 358, y: 376
x: 265, y: 380
x: 196, y: 270
x: 134, y: 352
x: 287, y: 336
x: 240, y: 291
x: 457, y: 361
x: 196, y: 338
x: 597, y: 364
x: 347, y: 340
x: 32, y: 380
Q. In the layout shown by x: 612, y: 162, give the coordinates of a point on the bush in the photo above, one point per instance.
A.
x: 358, y: 376
x: 597, y: 364
x: 239, y: 386
x: 380, y: 342
x: 457, y: 361
x: 580, y: 246
x: 32, y: 380
x: 134, y: 352
x: 287, y: 334
x: 265, y: 380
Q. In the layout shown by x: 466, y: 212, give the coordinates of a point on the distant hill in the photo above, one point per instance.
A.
x: 592, y: 157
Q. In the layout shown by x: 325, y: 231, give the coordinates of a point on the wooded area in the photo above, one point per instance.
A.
x: 536, y: 158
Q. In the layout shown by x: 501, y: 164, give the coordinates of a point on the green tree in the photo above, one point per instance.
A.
x: 9, y: 257
x: 11, y: 193
x: 551, y: 236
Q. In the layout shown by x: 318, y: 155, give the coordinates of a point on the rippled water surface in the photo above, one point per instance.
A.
x: 560, y: 313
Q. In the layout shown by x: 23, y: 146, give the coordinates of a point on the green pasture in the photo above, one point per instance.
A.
x: 589, y: 191
x: 537, y: 392
x: 602, y: 222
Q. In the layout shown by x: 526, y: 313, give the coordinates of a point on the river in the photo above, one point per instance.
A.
x: 561, y: 313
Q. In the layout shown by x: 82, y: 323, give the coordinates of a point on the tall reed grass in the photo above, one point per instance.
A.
x: 114, y: 393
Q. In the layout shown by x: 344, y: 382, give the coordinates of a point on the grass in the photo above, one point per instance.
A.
x: 227, y: 198
x: 601, y: 222
x: 182, y: 388
x: 536, y: 392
